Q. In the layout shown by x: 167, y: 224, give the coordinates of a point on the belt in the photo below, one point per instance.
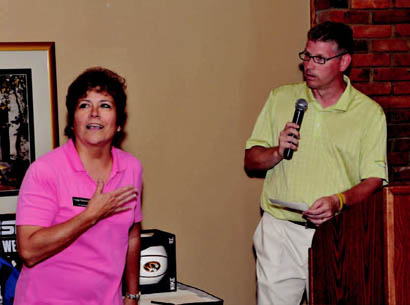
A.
x: 306, y: 224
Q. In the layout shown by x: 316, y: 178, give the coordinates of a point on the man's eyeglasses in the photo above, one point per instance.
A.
x: 305, y: 56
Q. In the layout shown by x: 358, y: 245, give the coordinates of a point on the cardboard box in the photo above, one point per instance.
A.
x: 8, y: 248
x: 158, y: 262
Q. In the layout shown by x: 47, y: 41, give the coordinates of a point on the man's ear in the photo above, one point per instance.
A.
x: 345, y: 62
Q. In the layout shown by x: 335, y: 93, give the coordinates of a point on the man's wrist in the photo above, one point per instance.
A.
x: 277, y: 156
x: 341, y: 201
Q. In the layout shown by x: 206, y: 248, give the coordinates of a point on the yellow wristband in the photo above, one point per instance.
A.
x: 342, y: 200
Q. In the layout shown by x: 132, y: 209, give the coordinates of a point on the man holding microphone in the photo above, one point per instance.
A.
x: 339, y: 159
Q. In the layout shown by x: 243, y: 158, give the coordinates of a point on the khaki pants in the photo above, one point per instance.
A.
x: 282, y: 260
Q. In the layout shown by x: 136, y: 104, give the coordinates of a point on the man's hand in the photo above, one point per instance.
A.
x: 322, y: 209
x: 259, y: 158
x: 286, y: 139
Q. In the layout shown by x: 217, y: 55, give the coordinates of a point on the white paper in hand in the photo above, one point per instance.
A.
x: 299, y: 206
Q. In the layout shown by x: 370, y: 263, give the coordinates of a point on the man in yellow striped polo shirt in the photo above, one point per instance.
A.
x: 339, y: 159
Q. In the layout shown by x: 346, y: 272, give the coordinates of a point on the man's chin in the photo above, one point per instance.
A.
x: 311, y: 84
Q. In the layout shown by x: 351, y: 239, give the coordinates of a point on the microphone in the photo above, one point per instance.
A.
x: 300, y: 108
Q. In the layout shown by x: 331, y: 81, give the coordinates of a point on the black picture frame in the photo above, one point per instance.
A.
x: 17, y: 144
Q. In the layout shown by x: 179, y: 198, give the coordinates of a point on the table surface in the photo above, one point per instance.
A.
x: 183, y: 295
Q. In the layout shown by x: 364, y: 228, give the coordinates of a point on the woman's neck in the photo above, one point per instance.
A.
x: 97, y: 161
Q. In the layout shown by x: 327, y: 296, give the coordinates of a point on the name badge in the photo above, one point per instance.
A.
x: 80, y: 202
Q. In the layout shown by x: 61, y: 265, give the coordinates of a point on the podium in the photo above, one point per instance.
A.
x: 362, y: 255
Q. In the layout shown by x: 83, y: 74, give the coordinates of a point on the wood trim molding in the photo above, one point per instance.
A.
x: 388, y: 208
x: 312, y: 13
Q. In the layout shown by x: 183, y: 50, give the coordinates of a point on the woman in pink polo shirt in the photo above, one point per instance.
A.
x: 79, y: 208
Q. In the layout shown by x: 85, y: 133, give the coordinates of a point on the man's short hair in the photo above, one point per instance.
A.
x: 337, y: 32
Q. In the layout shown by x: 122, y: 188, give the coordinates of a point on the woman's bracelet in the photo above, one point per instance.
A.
x: 131, y: 296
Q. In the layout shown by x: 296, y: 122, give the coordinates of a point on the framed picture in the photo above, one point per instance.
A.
x: 28, y: 112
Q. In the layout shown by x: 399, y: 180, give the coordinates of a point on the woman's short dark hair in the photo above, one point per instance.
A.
x: 337, y: 32
x: 101, y: 80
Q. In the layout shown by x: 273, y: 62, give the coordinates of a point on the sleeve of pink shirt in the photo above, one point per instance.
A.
x: 138, y: 211
x: 37, y: 197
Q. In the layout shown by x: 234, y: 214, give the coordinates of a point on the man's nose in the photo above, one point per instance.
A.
x: 310, y: 63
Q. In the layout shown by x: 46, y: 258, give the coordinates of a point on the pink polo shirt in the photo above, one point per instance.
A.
x: 90, y: 270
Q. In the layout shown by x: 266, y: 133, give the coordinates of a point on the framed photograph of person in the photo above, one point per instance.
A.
x: 28, y: 112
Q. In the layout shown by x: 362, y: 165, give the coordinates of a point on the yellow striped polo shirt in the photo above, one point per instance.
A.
x: 339, y: 146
